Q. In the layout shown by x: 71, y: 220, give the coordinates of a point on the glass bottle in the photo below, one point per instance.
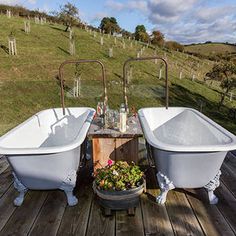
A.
x: 123, y: 118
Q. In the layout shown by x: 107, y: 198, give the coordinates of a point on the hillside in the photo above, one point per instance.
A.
x: 28, y: 84
x: 211, y: 48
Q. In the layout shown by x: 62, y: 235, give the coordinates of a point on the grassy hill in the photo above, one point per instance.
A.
x: 211, y: 48
x: 28, y: 84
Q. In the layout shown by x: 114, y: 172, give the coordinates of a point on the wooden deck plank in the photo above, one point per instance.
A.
x: 23, y: 217
x: 155, y: 217
x: 49, y: 218
x: 230, y: 160
x: 229, y: 178
x: 182, y: 217
x: 129, y: 225
x: 75, y: 219
x: 99, y: 224
x: 227, y: 205
x: 6, y: 180
x: 210, y: 218
x: 6, y: 205
x: 3, y: 164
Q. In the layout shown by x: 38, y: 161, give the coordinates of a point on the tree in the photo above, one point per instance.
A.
x: 126, y: 33
x: 69, y: 15
x: 225, y: 73
x: 157, y: 38
x: 173, y: 45
x: 109, y: 25
x: 141, y: 33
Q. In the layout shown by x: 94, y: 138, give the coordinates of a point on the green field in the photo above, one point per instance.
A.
x: 28, y: 81
x: 211, y: 48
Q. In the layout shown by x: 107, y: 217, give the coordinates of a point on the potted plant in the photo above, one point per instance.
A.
x: 118, y: 186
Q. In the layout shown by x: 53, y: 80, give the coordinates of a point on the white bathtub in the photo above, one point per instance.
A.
x: 188, y: 148
x: 44, y: 151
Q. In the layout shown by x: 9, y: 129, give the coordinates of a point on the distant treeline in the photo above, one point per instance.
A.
x: 215, y: 57
x: 210, y: 42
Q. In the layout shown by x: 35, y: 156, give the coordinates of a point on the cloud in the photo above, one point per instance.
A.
x: 15, y: 2
x: 130, y: 5
x: 32, y: 1
x: 210, y: 14
x: 98, y: 17
x: 164, y: 11
x: 9, y: 2
x: 117, y: 6
x: 193, y: 21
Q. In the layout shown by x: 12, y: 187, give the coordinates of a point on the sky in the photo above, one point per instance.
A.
x: 185, y: 21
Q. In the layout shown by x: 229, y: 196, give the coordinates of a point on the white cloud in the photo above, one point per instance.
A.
x: 190, y: 21
x: 98, y: 17
x: 32, y: 1
x: 210, y: 14
x: 130, y: 5
x: 163, y: 11
x: 15, y: 2
x: 9, y: 2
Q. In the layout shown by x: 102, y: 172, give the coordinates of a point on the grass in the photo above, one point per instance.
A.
x: 211, y: 48
x: 28, y: 84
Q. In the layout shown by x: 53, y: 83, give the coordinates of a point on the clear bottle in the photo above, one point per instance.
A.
x: 106, y: 116
x: 123, y: 118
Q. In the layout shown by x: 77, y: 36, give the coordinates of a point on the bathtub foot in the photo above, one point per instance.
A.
x: 21, y: 189
x: 165, y: 185
x: 211, y: 186
x: 68, y: 186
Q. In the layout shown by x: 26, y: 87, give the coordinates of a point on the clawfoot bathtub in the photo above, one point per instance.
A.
x: 44, y: 151
x: 188, y: 148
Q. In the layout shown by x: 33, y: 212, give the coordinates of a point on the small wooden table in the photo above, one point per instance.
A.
x: 112, y: 144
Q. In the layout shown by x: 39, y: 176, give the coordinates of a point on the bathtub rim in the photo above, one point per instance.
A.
x: 55, y: 149
x: 153, y: 141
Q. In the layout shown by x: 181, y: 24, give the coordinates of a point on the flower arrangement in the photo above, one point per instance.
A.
x: 118, y: 176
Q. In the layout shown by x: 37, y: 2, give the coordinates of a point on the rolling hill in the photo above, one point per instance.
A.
x: 211, y: 48
x: 28, y: 81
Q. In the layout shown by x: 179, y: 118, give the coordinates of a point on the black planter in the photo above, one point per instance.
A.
x: 119, y: 200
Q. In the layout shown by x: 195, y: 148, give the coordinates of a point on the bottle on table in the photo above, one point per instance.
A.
x: 123, y: 118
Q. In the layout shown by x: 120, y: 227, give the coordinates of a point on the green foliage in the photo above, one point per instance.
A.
x: 119, y: 176
x: 172, y: 45
x: 141, y: 34
x: 126, y: 33
x: 69, y: 15
x: 109, y: 25
x: 225, y: 73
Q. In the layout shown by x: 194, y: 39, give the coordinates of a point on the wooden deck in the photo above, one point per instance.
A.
x: 186, y: 212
